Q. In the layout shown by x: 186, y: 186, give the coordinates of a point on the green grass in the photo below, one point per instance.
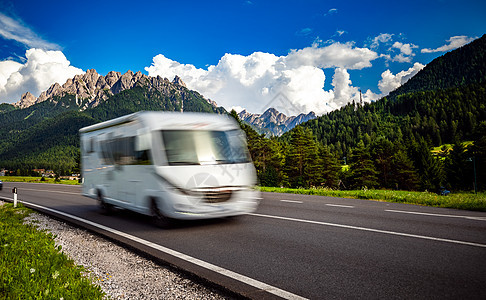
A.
x: 466, y: 201
x: 37, y: 179
x: 32, y: 267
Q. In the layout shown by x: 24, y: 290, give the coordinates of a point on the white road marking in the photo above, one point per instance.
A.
x: 36, y: 190
x: 338, y: 205
x: 239, y: 277
x: 372, y: 230
x: 436, y: 215
x: 292, y: 201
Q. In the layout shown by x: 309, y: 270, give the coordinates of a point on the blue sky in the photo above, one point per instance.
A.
x: 318, y: 54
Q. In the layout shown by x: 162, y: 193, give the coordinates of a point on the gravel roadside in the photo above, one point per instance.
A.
x: 120, y: 273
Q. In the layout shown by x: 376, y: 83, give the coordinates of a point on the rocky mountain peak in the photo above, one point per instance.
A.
x: 26, y: 100
x: 273, y: 122
x: 178, y: 80
x: 274, y: 116
x: 92, y: 88
x: 112, y: 77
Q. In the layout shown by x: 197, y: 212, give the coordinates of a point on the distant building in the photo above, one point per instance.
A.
x: 49, y: 173
x: 72, y: 177
x: 40, y: 171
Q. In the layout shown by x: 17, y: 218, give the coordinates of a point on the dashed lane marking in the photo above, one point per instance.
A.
x: 373, y: 230
x: 339, y: 205
x: 292, y: 201
x: 436, y: 215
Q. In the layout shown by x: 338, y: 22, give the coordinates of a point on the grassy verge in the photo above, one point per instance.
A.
x: 37, y: 179
x: 466, y: 201
x: 32, y: 267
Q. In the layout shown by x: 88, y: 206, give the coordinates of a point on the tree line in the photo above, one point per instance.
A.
x: 301, y: 160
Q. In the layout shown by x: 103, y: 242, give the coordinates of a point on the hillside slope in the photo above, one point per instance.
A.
x: 45, y: 134
x: 443, y: 103
x: 463, y: 66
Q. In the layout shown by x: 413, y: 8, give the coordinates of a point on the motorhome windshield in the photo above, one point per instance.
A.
x: 198, y: 147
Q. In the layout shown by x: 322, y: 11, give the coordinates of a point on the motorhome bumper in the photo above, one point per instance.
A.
x: 207, y: 210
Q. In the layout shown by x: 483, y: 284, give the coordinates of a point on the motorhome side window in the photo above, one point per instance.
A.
x: 200, y: 147
x: 91, y: 145
x: 121, y: 151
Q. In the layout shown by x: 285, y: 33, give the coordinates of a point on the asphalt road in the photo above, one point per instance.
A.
x: 309, y: 246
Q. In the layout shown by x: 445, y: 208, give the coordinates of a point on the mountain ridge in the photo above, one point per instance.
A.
x: 46, y: 129
x: 272, y: 122
x: 91, y: 88
x: 465, y: 65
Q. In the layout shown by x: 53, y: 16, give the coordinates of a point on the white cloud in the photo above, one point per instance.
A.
x: 41, y: 70
x: 257, y: 80
x: 453, y: 43
x: 406, y: 49
x: 7, y: 68
x: 340, y: 32
x: 406, y: 52
x: 331, y: 12
x: 345, y: 92
x: 304, y: 32
x: 382, y: 38
x: 394, y: 51
x: 336, y: 55
x: 343, y: 89
x: 390, y: 82
x: 237, y: 108
x: 12, y: 29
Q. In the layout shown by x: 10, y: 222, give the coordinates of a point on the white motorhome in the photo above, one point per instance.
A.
x: 169, y: 165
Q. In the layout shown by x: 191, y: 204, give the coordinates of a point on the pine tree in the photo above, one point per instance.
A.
x: 403, y: 175
x: 302, y: 160
x: 363, y: 172
x: 330, y: 168
x: 382, y: 151
x: 429, y: 167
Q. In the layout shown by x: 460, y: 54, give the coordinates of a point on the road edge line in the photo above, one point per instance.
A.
x: 220, y: 270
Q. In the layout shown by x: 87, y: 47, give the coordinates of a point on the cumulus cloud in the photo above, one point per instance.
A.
x: 7, y: 68
x: 404, y: 48
x: 382, y: 38
x: 395, y: 51
x: 406, y: 52
x: 12, y: 29
x: 262, y: 80
x: 343, y: 88
x: 390, y: 82
x: 336, y: 55
x: 453, y: 43
x: 41, y: 70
